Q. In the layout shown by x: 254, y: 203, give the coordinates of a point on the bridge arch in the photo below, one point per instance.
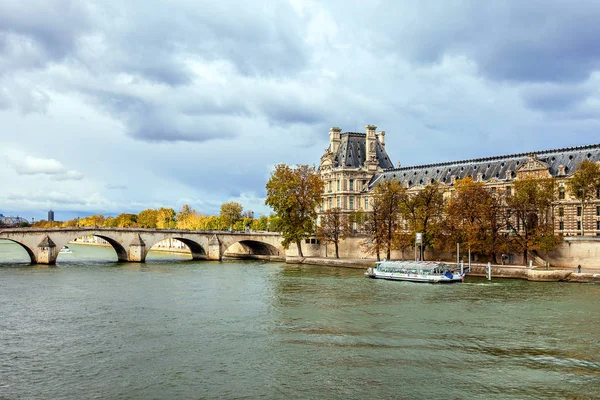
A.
x: 248, y: 248
x: 30, y: 253
x: 196, y: 249
x: 115, y: 244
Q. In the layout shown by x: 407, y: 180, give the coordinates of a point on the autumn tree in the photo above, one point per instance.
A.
x: 358, y: 218
x: 110, y: 222
x: 473, y: 218
x: 260, y: 224
x: 333, y: 227
x: 387, y: 196
x: 126, y: 220
x: 295, y: 194
x: 374, y: 231
x: 423, y: 211
x: 147, y: 218
x: 165, y: 218
x: 528, y: 215
x: 184, y: 217
x: 584, y: 185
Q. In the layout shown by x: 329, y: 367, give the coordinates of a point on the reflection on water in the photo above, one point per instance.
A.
x: 172, y: 328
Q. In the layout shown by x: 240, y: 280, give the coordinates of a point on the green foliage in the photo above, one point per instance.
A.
x: 295, y: 194
x: 231, y: 213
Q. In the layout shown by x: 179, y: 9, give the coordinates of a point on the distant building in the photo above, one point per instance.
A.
x: 51, y: 216
x: 350, y: 163
x: 355, y: 162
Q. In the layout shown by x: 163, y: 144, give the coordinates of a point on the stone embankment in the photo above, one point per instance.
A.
x: 498, y: 271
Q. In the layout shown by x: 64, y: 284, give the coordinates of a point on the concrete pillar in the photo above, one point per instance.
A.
x: 137, y: 250
x: 214, y: 249
x: 47, y: 252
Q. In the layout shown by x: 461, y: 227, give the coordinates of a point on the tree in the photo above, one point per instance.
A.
x: 183, y: 217
x: 584, y: 185
x: 165, y: 218
x: 423, y: 212
x: 529, y: 217
x: 387, y: 195
x: 295, y: 194
x: 110, y: 222
x: 473, y: 218
x: 358, y: 219
x: 334, y: 226
x: 126, y: 220
x: 231, y: 213
x: 375, y: 231
x: 147, y: 218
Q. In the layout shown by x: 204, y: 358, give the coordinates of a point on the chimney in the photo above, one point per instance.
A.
x: 334, y: 139
x: 381, y: 138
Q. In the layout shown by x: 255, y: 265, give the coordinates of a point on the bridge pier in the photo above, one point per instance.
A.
x: 137, y: 250
x: 214, y: 249
x: 47, y: 252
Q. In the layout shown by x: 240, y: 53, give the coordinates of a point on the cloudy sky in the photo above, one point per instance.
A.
x: 117, y: 106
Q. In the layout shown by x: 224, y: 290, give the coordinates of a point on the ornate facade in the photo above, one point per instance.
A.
x: 355, y: 162
x: 349, y: 166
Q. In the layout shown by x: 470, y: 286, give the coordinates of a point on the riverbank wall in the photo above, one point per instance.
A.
x: 480, y: 270
x: 574, y: 251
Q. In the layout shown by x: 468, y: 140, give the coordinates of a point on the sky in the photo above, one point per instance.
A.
x: 118, y: 106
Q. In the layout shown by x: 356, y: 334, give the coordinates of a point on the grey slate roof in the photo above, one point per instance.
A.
x: 490, y: 167
x: 352, y: 152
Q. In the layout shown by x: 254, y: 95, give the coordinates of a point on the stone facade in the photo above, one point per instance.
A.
x: 355, y: 162
x: 349, y: 165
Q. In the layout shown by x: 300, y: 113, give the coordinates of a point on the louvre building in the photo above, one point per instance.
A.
x: 355, y: 162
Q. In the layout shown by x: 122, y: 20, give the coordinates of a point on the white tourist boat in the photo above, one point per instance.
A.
x: 64, y: 250
x: 415, y: 271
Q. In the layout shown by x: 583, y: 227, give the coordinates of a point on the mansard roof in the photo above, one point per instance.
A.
x: 502, y: 168
x: 353, y: 149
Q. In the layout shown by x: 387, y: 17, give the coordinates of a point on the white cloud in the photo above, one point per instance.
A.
x: 29, y: 165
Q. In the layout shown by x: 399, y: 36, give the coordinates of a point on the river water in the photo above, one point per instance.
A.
x: 178, y: 329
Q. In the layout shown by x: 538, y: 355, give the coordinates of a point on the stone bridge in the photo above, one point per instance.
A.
x: 133, y: 244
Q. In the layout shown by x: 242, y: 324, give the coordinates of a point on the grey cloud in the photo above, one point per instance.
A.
x: 50, y: 28
x: 549, y: 40
x: 554, y: 97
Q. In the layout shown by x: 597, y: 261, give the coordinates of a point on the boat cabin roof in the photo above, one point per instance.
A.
x: 421, y: 265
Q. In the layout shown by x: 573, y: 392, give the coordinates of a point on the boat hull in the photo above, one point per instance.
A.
x: 418, y: 279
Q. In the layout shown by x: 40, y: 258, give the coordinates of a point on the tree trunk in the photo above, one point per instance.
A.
x: 525, y: 256
x: 388, y: 253
x: 378, y: 258
x: 337, y: 255
x: 299, y: 244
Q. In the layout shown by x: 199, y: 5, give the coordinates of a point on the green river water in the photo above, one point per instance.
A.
x: 92, y: 328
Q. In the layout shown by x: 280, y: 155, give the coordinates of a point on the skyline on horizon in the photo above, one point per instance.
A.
x: 109, y: 107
